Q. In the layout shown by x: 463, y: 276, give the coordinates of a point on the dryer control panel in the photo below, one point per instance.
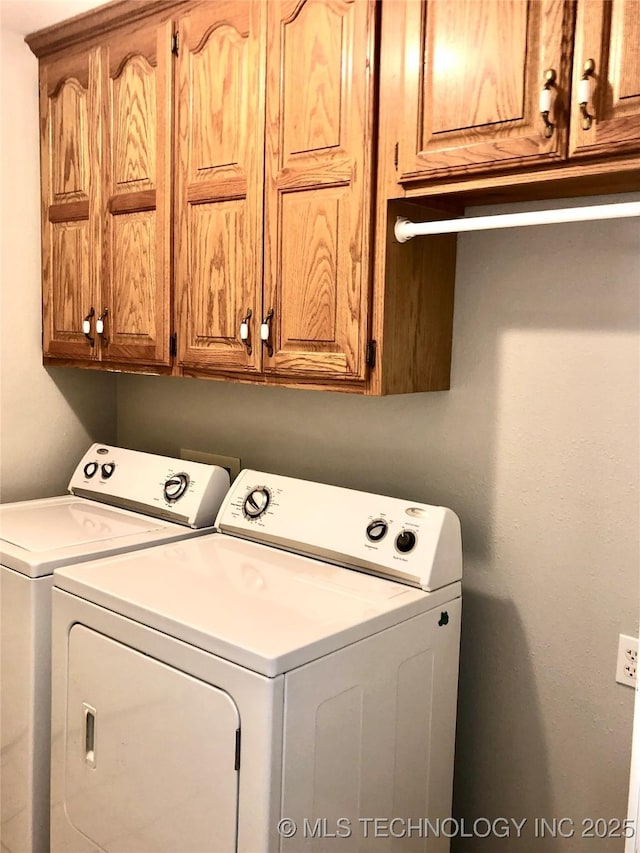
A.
x: 414, y: 543
x: 174, y: 489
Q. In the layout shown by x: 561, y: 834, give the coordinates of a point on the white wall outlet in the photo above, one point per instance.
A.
x: 627, y: 663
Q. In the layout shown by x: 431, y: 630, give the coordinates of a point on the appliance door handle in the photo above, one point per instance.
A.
x: 89, y: 739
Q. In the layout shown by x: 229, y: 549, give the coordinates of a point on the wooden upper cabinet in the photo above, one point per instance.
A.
x: 318, y: 185
x: 608, y: 35
x: 470, y: 82
x: 136, y: 94
x: 219, y: 183
x: 71, y: 238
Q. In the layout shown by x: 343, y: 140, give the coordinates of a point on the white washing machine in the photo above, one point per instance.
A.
x: 120, y: 500
x: 288, y: 683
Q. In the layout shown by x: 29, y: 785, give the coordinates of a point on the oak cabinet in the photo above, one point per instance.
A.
x: 71, y: 228
x: 106, y: 173
x: 295, y: 276
x: 136, y: 212
x: 318, y: 179
x: 219, y: 185
x: 607, y: 48
x: 468, y: 96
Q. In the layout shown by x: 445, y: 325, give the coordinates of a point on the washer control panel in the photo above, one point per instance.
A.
x: 175, y: 489
x: 417, y: 544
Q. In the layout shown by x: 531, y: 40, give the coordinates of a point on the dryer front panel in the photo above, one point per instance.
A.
x: 151, y: 753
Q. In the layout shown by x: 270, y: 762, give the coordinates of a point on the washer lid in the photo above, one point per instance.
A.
x: 39, y: 535
x: 257, y: 606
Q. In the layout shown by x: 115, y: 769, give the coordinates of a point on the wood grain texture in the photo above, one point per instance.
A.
x: 97, y: 23
x: 71, y: 234
x: 470, y: 82
x: 608, y: 31
x: 136, y: 274
x: 219, y: 183
x: 318, y: 186
x: 69, y: 142
x: 474, y: 87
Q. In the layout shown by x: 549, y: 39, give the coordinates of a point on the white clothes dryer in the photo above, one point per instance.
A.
x: 119, y: 500
x: 287, y: 683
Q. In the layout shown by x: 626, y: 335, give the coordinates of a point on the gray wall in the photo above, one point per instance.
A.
x: 48, y: 418
x: 536, y: 447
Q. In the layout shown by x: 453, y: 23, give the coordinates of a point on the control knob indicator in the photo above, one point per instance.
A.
x: 256, y: 502
x: 176, y: 486
x: 107, y: 469
x: 377, y: 530
x: 405, y: 541
x: 90, y: 469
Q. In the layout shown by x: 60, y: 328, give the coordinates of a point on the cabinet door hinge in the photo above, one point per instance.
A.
x: 396, y: 155
x: 175, y: 43
x: 370, y: 356
x: 173, y: 344
x: 237, y: 764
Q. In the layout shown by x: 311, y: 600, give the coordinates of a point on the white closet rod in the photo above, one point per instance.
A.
x: 405, y: 229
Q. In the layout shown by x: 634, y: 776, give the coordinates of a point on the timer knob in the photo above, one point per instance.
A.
x: 175, y: 487
x: 377, y: 530
x: 107, y: 469
x: 256, y: 502
x: 90, y: 469
x: 405, y: 541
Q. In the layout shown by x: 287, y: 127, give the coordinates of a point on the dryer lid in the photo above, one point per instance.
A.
x: 264, y: 609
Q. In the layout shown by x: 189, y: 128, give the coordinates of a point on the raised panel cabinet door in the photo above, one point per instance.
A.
x: 471, y: 77
x: 607, y: 59
x: 135, y: 303
x: 71, y: 238
x: 219, y: 184
x: 318, y: 187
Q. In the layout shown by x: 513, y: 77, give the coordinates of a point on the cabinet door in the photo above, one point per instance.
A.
x: 318, y: 186
x: 137, y: 185
x: 71, y: 237
x: 220, y: 123
x: 471, y: 80
x: 608, y: 33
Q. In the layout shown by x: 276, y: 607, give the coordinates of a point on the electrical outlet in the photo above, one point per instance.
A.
x: 231, y: 463
x: 627, y: 663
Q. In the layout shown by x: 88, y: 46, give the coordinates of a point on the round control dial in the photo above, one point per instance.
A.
x: 377, y: 530
x: 405, y: 541
x: 107, y: 469
x: 90, y: 469
x: 176, y: 486
x: 256, y: 502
